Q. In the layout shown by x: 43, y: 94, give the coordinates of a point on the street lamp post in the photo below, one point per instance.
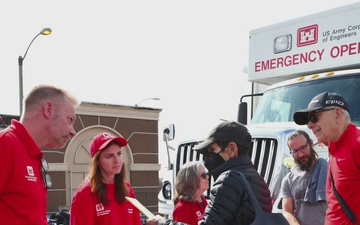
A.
x: 155, y: 98
x: 45, y: 31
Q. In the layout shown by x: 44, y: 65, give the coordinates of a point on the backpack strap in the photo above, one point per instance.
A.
x: 262, y: 217
x: 250, y: 192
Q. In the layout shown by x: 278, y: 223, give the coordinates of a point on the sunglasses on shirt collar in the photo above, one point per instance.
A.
x: 44, y: 173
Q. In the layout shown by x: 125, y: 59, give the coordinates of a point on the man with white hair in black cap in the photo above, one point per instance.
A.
x: 328, y: 117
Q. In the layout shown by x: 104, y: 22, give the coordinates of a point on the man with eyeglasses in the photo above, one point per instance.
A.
x: 328, y: 117
x: 303, y: 189
x: 47, y: 122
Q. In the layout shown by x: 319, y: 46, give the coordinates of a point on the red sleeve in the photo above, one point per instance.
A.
x: 356, y: 151
x: 82, y: 209
x: 131, y: 191
x: 6, y: 160
x: 182, y: 213
x: 137, y: 219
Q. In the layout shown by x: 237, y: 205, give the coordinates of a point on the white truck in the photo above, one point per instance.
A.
x: 294, y: 60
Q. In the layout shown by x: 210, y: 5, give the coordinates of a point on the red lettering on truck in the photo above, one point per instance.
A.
x: 289, y: 60
x: 343, y: 50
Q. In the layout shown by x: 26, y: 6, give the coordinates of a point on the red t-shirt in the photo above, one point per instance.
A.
x: 189, y: 212
x: 22, y: 190
x: 345, y: 167
x: 86, y: 209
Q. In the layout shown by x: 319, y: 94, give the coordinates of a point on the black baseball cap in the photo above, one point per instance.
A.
x: 229, y: 131
x: 319, y: 102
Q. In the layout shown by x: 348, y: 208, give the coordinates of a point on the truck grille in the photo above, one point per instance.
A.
x: 263, y: 156
x: 186, y: 154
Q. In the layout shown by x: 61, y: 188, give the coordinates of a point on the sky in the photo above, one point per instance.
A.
x: 190, y: 54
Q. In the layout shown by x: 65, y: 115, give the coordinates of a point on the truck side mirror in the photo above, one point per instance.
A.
x: 242, y: 113
x: 169, y: 133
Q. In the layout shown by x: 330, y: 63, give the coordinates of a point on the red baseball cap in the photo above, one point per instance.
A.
x: 100, y: 142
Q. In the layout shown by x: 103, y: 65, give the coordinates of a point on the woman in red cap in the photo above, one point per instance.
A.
x: 100, y: 199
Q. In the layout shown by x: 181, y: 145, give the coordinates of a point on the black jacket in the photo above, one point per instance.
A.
x: 229, y: 202
x: 244, y: 165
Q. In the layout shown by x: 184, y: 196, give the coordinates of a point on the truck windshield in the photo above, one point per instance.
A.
x: 280, y: 104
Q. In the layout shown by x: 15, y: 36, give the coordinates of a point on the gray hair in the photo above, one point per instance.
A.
x: 41, y: 93
x: 346, y: 115
x: 188, y: 181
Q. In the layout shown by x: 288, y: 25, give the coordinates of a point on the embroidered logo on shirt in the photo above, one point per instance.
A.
x: 31, y: 174
x: 199, y: 215
x: 99, y: 207
x: 130, y: 211
x: 100, y: 210
x: 30, y: 170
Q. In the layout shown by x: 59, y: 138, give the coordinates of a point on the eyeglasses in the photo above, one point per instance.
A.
x: 45, y: 176
x: 313, y: 116
x: 205, y: 175
x: 212, y: 152
x: 222, y: 149
x: 302, y: 149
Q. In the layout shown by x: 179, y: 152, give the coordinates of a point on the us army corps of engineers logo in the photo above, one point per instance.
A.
x: 100, y: 211
x: 31, y: 174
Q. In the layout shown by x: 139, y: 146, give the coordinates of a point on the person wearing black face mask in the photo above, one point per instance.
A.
x: 213, y: 160
x: 225, y: 154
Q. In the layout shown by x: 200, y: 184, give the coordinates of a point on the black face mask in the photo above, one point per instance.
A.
x: 212, y: 160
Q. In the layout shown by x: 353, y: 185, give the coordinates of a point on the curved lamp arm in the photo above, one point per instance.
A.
x: 155, y: 98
